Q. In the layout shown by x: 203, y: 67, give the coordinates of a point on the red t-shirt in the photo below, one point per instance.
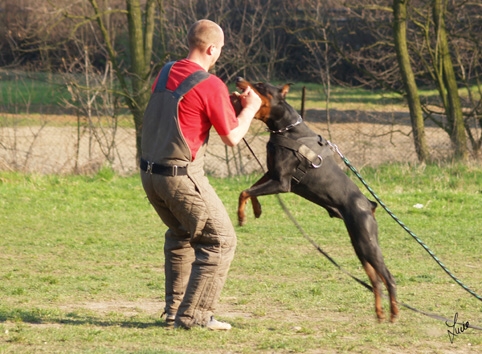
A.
x: 206, y: 105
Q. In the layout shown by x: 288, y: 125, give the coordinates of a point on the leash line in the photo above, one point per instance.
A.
x: 327, y: 256
x: 358, y: 280
x: 410, y: 232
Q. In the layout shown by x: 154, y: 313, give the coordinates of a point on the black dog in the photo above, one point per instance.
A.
x: 300, y: 161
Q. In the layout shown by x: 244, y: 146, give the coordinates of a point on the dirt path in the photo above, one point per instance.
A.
x: 64, y: 149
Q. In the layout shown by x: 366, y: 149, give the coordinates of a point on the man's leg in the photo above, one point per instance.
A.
x: 194, y: 204
x: 214, y: 250
x: 179, y: 256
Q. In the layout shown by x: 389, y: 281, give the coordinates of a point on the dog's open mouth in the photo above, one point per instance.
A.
x: 264, y: 111
x: 242, y: 84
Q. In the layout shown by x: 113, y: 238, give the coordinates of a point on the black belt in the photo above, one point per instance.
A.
x: 151, y: 167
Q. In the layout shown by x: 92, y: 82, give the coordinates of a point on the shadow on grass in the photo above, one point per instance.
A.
x: 40, y: 316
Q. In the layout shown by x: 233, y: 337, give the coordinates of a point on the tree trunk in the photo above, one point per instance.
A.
x: 449, y: 90
x: 140, y: 46
x: 135, y: 90
x: 408, y: 78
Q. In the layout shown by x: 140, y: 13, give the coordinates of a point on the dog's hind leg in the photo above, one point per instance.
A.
x: 375, y: 258
x: 389, y: 282
x: 366, y: 258
x: 377, y: 291
x: 363, y: 230
x: 377, y: 272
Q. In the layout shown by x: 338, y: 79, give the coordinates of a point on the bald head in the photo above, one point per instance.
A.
x: 204, y: 33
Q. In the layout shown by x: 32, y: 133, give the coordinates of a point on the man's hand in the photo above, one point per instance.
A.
x: 246, y: 105
x: 250, y: 100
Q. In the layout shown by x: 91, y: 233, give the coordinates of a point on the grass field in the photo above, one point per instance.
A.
x: 82, y: 269
x: 23, y: 92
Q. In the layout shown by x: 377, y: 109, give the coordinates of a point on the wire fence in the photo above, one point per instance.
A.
x: 69, y: 144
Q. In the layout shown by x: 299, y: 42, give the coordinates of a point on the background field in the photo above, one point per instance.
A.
x: 82, y: 260
x: 40, y: 133
x: 82, y: 269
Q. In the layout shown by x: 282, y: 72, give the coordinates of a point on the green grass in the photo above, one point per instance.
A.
x: 82, y: 269
x: 22, y: 92
x: 23, y: 89
x: 38, y: 119
x: 341, y: 98
x: 352, y: 98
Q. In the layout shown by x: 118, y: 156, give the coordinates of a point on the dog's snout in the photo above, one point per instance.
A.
x: 241, y: 83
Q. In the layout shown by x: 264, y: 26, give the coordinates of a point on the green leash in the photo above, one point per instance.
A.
x: 425, y: 247
x: 358, y: 280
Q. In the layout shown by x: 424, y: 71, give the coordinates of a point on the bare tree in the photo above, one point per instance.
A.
x: 408, y: 78
x: 309, y: 26
x: 448, y: 52
x: 131, y: 64
x: 381, y: 60
x: 351, y: 42
x: 467, y: 53
x: 140, y: 20
x: 97, y: 108
x: 447, y: 83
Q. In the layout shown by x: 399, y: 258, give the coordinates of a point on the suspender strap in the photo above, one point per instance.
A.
x: 188, y: 83
x: 162, y: 81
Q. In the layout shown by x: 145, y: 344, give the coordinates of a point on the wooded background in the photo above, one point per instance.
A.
x: 105, y: 54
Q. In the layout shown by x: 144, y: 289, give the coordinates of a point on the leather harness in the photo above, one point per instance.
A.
x: 306, y: 156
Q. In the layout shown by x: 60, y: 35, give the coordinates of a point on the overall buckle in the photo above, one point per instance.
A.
x: 149, y: 167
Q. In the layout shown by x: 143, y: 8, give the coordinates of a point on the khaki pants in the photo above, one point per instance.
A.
x: 199, y: 244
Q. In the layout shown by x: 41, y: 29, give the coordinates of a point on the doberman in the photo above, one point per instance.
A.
x: 302, y: 162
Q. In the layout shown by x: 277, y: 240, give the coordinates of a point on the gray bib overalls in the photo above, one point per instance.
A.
x: 200, y: 240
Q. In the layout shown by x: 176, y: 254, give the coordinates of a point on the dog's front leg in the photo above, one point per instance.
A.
x: 254, y: 200
x: 243, y: 200
x: 265, y: 186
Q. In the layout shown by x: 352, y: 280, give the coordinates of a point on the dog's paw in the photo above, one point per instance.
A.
x: 256, y: 207
x: 241, y: 220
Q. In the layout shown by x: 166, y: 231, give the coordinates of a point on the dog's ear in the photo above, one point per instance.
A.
x: 285, y: 89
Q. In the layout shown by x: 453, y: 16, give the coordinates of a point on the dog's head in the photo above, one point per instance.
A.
x: 272, y: 98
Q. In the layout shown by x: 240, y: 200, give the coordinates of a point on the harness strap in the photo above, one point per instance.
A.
x: 295, y: 145
x: 311, y: 159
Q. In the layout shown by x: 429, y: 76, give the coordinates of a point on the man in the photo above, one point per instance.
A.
x: 200, y: 240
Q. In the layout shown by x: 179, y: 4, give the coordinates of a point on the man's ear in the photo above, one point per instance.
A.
x: 210, y: 49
